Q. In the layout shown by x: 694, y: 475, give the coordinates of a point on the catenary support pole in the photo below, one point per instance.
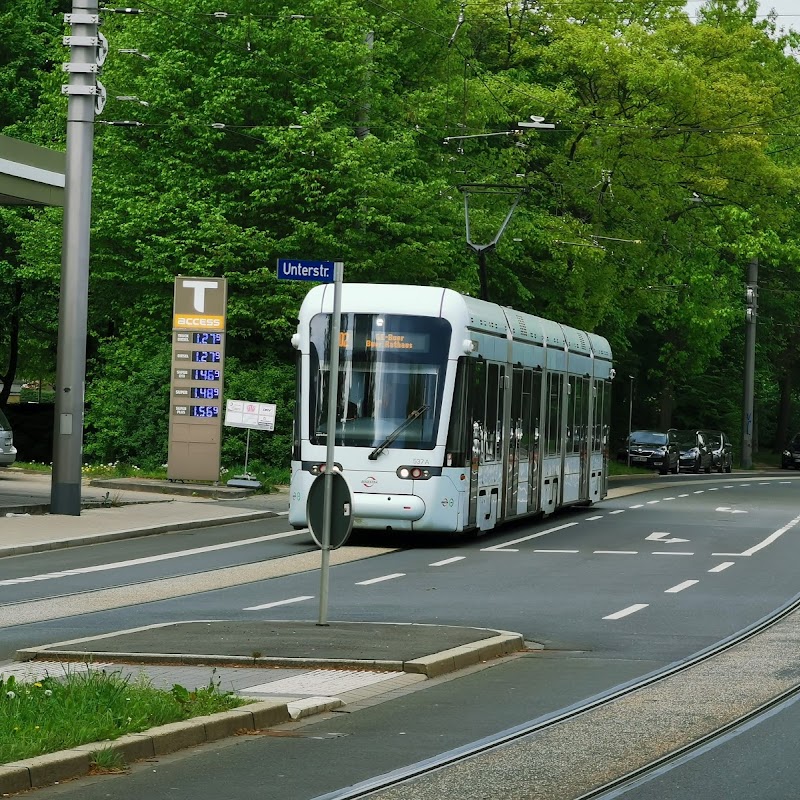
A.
x: 65, y: 493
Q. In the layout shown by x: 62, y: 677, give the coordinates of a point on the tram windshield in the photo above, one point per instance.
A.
x: 390, y: 367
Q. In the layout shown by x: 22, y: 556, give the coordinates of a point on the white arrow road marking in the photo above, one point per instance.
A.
x: 730, y: 510
x: 657, y: 536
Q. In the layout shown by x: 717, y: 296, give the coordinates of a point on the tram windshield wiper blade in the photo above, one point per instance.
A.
x: 396, y: 432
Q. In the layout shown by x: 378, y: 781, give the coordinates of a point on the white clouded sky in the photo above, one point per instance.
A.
x: 788, y: 10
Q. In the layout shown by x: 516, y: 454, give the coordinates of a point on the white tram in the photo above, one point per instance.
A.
x: 454, y: 414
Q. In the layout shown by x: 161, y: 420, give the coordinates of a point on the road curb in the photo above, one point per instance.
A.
x: 32, y: 773
x: 132, y: 533
x: 504, y: 643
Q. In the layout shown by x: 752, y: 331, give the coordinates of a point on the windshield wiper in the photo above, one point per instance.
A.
x: 373, y: 456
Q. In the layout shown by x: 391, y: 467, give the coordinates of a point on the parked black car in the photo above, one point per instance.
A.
x: 653, y: 449
x: 695, y: 456
x: 721, y: 450
x: 790, y: 458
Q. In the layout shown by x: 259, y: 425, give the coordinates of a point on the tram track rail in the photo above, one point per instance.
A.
x: 744, y: 654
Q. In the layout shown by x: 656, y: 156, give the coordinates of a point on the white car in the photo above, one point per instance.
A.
x: 8, y: 453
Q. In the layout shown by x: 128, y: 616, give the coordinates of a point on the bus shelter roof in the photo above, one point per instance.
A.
x: 30, y: 174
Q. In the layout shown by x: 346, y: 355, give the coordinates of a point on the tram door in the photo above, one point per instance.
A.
x: 486, y: 396
x: 553, y: 443
x: 522, y: 474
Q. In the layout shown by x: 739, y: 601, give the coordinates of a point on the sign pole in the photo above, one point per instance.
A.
x: 333, y: 394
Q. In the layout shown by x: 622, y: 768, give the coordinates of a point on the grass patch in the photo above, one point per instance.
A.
x: 620, y: 468
x: 56, y: 714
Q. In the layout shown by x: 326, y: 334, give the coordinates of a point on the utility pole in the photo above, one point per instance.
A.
x: 751, y: 315
x: 86, y: 97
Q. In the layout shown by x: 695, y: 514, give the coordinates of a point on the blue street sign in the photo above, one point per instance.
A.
x: 295, y: 269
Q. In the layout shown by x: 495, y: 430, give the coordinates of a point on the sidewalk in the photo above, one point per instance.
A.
x: 290, y: 669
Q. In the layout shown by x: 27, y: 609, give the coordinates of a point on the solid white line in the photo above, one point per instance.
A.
x: 447, y: 561
x: 722, y: 566
x: 592, y: 519
x: 625, y: 611
x: 771, y: 538
x: 618, y: 511
x: 680, y: 587
x: 133, y: 562
x: 617, y: 552
x: 668, y: 553
x: 280, y: 603
x: 505, y: 545
x: 382, y: 578
x: 556, y: 551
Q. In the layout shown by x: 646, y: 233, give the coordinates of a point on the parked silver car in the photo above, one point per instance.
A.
x: 8, y: 453
x: 721, y: 450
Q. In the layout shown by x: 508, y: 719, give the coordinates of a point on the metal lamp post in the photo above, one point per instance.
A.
x: 630, y: 420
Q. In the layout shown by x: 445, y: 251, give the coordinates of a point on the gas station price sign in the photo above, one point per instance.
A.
x: 197, y: 378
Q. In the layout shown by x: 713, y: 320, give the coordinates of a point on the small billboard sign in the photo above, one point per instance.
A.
x: 247, y: 414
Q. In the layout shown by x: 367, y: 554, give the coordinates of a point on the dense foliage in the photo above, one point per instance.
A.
x: 350, y: 130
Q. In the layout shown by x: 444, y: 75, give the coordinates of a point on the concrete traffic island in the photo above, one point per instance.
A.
x: 418, y: 652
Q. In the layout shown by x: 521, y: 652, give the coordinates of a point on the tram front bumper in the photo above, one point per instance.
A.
x: 388, y: 507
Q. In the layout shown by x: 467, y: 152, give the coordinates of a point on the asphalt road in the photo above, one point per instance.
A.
x: 612, y: 592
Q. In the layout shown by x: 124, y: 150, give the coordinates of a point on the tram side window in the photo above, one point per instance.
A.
x: 573, y: 404
x: 491, y: 440
x: 476, y: 399
x: 459, y: 434
x: 582, y: 414
x: 553, y: 408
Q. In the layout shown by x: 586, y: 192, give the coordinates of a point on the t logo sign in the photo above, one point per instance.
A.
x: 199, y: 296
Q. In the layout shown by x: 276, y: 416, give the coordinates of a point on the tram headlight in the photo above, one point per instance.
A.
x: 319, y: 469
x: 413, y: 473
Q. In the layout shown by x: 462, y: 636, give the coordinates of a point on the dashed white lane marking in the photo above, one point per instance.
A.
x: 618, y: 511
x: 786, y: 482
x: 322, y: 681
x: 382, y: 578
x: 638, y: 505
x: 652, y: 502
x: 729, y: 486
x: 134, y: 562
x: 714, y: 489
x: 617, y: 552
x: 668, y: 498
x: 556, y: 551
x: 680, y: 587
x: 744, y: 484
x: 507, y: 545
x: 625, y: 611
x: 722, y: 566
x: 700, y: 491
x: 669, y: 553
x: 287, y: 602
x: 447, y: 561
x: 592, y: 519
x: 683, y: 495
